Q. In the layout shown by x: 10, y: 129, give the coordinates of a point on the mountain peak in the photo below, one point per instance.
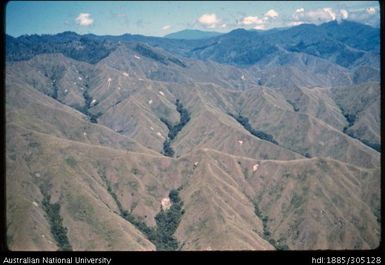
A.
x: 192, y: 34
x: 72, y: 33
x: 241, y: 32
x: 344, y: 23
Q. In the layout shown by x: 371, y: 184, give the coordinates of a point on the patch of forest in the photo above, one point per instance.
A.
x: 173, y: 130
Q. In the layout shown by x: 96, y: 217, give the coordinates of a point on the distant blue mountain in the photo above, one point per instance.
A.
x: 191, y: 34
x: 343, y: 43
x: 340, y: 42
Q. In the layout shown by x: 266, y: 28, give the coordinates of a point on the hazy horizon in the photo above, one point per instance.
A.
x: 187, y: 29
x: 161, y: 18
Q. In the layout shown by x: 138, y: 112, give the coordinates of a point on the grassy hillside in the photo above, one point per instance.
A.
x: 263, y: 158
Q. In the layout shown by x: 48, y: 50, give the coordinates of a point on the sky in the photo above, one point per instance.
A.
x: 159, y: 18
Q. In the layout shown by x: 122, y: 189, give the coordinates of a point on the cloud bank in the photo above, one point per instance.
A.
x: 272, y: 18
x: 209, y: 20
x: 367, y: 16
x: 84, y: 19
x: 271, y: 14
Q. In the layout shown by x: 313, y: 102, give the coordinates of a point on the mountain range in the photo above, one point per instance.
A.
x: 249, y: 140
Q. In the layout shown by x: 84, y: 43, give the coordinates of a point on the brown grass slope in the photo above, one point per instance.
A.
x: 49, y: 72
x: 303, y: 132
x: 302, y: 199
x: 362, y: 101
x: 218, y: 196
x: 368, y: 124
x: 134, y: 107
x: 330, y: 201
x: 316, y: 102
x: 308, y: 201
x: 34, y: 110
x: 188, y: 72
x: 87, y: 209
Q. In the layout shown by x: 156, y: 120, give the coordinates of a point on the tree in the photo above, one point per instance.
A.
x: 174, y: 129
x: 167, y: 222
x: 59, y: 232
x: 244, y: 121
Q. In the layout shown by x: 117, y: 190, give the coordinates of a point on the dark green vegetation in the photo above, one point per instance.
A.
x: 167, y: 222
x: 244, y: 121
x: 82, y: 48
x: 70, y: 161
x: 146, y: 51
x: 167, y: 149
x: 351, y: 119
x: 278, y: 244
x: 87, y: 105
x: 175, y: 129
x: 59, y: 232
x: 136, y: 221
x: 54, y: 74
x: 295, y: 107
x: 55, y: 90
x: 375, y: 146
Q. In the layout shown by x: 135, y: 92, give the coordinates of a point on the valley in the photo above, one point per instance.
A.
x: 249, y: 140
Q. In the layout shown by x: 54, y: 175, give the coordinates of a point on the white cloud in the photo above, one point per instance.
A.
x: 271, y: 13
x: 295, y: 23
x: 330, y: 12
x: 260, y: 27
x: 251, y: 20
x: 84, y: 19
x: 259, y: 23
x: 209, y: 20
x: 318, y: 15
x: 371, y: 10
x: 369, y: 16
x: 299, y: 13
x: 166, y: 27
x: 344, y: 14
